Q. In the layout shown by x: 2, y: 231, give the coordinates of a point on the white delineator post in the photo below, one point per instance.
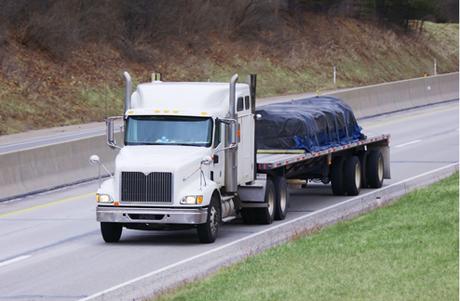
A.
x: 435, y: 67
x: 334, y: 75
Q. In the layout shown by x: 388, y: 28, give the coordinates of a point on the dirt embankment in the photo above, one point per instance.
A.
x: 40, y: 89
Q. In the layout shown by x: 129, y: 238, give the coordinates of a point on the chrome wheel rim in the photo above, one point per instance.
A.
x: 271, y: 203
x: 357, y: 175
x: 380, y: 169
x: 283, y: 199
x: 213, y: 220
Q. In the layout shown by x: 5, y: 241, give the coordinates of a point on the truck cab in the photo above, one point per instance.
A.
x: 187, y: 147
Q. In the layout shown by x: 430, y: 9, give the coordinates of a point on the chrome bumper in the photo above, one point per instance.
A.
x: 192, y: 216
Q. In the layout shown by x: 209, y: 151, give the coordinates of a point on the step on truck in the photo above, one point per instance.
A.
x: 189, y: 160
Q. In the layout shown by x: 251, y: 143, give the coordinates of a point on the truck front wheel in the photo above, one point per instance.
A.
x: 207, y: 232
x: 111, y: 232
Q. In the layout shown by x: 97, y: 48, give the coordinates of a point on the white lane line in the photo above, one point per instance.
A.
x: 13, y: 260
x: 408, y: 143
x: 186, y: 260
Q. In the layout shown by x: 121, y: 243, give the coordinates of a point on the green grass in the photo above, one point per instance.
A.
x: 406, y: 251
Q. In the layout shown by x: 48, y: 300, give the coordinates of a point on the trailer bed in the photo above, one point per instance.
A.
x: 272, y: 159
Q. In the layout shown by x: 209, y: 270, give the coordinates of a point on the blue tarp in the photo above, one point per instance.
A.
x: 312, y: 124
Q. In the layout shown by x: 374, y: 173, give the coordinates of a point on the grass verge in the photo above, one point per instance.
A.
x: 406, y: 251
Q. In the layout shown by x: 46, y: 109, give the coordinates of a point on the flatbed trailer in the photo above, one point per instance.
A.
x: 348, y: 168
x: 268, y: 160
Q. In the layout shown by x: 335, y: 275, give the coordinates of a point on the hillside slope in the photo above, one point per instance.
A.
x: 38, y: 90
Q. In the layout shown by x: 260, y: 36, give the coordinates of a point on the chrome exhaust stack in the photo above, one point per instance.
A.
x: 231, y: 158
x: 252, y: 82
x: 128, y: 91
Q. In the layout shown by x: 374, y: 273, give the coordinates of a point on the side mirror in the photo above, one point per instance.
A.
x: 223, y: 130
x: 229, y: 132
x: 110, y: 127
x: 94, y: 160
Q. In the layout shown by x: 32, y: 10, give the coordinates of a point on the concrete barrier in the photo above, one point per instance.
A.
x: 52, y: 166
x: 396, y: 96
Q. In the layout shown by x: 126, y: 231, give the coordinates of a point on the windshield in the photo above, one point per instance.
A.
x: 168, y: 130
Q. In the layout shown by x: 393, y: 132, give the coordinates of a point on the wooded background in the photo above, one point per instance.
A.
x: 57, y: 26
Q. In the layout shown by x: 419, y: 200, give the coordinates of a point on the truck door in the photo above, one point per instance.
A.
x: 217, y: 169
x: 246, y: 144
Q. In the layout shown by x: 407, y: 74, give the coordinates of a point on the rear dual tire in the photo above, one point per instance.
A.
x: 352, y: 176
x: 282, y: 198
x: 374, y: 169
x: 337, y: 185
x: 265, y: 215
x: 349, y: 174
x: 346, y: 176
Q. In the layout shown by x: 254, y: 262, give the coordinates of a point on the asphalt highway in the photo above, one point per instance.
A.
x: 51, y: 248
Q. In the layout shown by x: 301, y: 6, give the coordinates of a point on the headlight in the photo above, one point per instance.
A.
x: 192, y: 200
x: 103, y: 198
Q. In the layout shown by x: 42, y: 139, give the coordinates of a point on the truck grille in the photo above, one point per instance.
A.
x: 156, y: 187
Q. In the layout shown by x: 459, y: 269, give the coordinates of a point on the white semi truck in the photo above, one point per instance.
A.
x: 189, y: 160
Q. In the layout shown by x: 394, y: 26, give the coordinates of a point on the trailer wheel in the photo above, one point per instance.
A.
x: 282, y: 198
x: 207, y: 232
x: 374, y: 169
x: 337, y: 176
x: 352, y: 175
x: 111, y: 232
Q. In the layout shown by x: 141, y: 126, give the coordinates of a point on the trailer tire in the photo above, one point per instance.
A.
x: 352, y: 175
x: 282, y: 197
x: 375, y: 169
x: 207, y: 232
x: 337, y: 184
x: 111, y: 232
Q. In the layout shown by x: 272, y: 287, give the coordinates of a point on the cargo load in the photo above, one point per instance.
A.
x: 311, y: 124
